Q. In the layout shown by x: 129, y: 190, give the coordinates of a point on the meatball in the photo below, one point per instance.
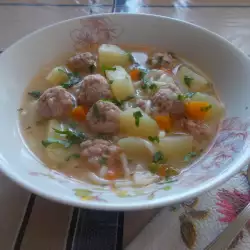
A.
x: 101, y: 152
x: 195, y: 128
x: 83, y: 62
x: 55, y: 102
x: 94, y: 88
x: 158, y: 60
x: 166, y: 101
x: 103, y: 117
x: 144, y: 105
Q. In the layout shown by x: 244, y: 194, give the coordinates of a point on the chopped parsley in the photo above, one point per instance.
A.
x: 189, y: 94
x: 110, y: 82
x: 92, y: 68
x: 73, y: 136
x: 171, y: 172
x: 158, y: 157
x: 117, y: 102
x: 145, y: 83
x: 102, y: 161
x: 96, y: 111
x: 148, y: 84
x: 35, y: 94
x: 153, y: 167
x: 143, y: 72
x: 74, y: 78
x: 154, y: 139
x: 207, y: 108
x: 183, y: 97
x: 130, y: 57
x: 50, y: 141
x: 73, y: 156
x: 137, y: 115
x: 190, y: 156
x: 73, y: 124
x: 104, y: 68
x: 153, y: 87
x: 188, y: 80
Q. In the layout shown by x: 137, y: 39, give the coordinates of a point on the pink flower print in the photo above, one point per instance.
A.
x: 231, y: 203
x: 235, y: 123
x: 95, y: 31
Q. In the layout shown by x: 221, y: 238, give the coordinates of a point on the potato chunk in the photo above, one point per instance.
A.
x: 191, y: 81
x: 217, y: 108
x: 146, y: 127
x: 176, y: 147
x: 57, y: 76
x: 121, y: 84
x: 111, y: 55
x: 56, y: 152
x: 137, y: 149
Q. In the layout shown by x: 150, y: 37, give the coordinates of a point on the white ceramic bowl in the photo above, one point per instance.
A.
x: 221, y: 61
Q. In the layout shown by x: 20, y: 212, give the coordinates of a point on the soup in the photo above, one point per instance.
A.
x: 125, y: 115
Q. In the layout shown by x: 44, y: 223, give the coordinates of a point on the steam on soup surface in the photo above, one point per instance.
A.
x: 109, y: 115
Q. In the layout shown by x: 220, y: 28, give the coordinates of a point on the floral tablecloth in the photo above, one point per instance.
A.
x: 194, y: 224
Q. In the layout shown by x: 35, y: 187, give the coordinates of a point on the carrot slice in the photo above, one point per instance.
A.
x: 197, y: 110
x: 111, y: 175
x: 161, y: 171
x: 164, y: 122
x: 168, y: 71
x: 135, y: 74
x: 79, y: 113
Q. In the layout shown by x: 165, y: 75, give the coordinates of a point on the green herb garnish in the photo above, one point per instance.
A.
x: 73, y: 124
x: 188, y: 80
x: 92, y: 68
x: 143, y: 72
x: 104, y: 68
x: 110, y: 82
x: 130, y: 57
x: 73, y: 156
x: 183, y: 97
x: 207, y: 108
x: 137, y: 115
x: 189, y: 156
x: 153, y: 167
x: 189, y: 94
x: 50, y: 141
x: 171, y: 172
x: 35, y: 94
x: 154, y: 139
x: 158, y: 157
x: 102, y: 161
x: 117, y: 102
x: 73, y: 136
x: 96, y: 111
x: 153, y: 87
x: 74, y: 78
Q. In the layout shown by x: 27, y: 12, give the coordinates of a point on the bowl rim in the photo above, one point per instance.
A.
x: 141, y: 204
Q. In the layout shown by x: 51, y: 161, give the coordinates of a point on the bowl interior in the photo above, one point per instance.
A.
x: 226, y: 66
